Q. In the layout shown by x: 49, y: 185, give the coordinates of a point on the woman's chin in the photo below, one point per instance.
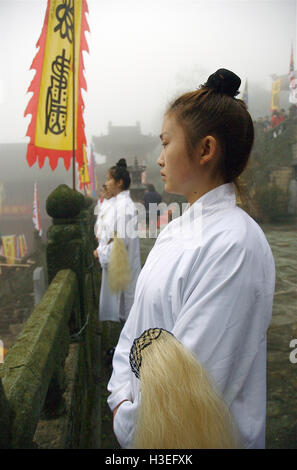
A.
x: 169, y: 189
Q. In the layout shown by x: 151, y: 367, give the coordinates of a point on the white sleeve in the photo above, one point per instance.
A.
x: 222, y: 320
x: 104, y: 249
x: 119, y: 387
x: 127, y: 225
x: 104, y: 252
x: 125, y: 228
x: 119, y: 384
x: 124, y: 423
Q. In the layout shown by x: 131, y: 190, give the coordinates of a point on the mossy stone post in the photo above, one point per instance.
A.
x: 87, y: 220
x: 64, y: 250
x: 70, y: 245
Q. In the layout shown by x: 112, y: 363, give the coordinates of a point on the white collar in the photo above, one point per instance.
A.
x: 111, y: 200
x: 220, y: 198
x: 123, y: 194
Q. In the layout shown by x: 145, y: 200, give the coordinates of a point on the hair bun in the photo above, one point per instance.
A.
x: 225, y: 82
x: 122, y: 162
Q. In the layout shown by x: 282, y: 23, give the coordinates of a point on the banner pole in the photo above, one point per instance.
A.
x: 73, y: 101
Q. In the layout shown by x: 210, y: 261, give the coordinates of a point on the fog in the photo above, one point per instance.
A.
x: 144, y: 52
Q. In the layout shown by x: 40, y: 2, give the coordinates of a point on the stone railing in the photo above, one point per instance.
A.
x: 49, y: 378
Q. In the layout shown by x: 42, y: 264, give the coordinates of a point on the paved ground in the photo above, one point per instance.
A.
x: 281, y: 373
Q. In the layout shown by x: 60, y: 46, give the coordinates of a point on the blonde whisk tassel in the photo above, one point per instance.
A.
x: 119, y: 271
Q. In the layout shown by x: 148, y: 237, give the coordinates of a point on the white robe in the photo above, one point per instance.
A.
x: 118, y: 214
x: 100, y: 209
x: 215, y: 294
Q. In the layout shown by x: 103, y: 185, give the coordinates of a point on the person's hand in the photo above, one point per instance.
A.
x: 95, y: 253
x: 114, y: 411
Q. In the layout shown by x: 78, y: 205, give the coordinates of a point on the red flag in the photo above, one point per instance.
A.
x: 36, y: 213
x: 92, y: 171
x: 84, y: 177
x: 57, y: 85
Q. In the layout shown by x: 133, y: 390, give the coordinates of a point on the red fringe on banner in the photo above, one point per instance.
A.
x: 38, y: 153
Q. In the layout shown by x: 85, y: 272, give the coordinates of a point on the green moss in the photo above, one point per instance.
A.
x: 269, y: 153
x: 39, y: 350
x: 63, y: 233
x: 272, y: 202
x: 88, y: 202
x: 64, y: 202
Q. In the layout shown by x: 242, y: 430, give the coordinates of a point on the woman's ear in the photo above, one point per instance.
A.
x: 207, y: 150
x: 120, y: 184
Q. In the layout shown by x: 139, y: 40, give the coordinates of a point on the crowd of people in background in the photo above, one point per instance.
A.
x: 276, y: 122
x: 151, y: 196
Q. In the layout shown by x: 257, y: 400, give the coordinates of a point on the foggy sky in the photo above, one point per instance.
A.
x: 144, y: 52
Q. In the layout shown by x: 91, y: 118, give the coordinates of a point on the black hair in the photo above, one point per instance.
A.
x: 119, y: 172
x: 213, y: 109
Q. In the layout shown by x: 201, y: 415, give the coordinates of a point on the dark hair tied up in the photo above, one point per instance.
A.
x: 224, y: 81
x: 122, y: 162
x: 214, y: 110
x: 120, y: 172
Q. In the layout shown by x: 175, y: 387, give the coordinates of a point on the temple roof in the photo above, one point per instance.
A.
x: 125, y: 141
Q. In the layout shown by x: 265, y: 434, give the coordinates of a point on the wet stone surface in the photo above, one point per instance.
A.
x: 281, y: 429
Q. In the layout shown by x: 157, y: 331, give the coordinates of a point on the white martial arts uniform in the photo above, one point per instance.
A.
x: 100, y: 210
x: 214, y: 292
x: 118, y: 214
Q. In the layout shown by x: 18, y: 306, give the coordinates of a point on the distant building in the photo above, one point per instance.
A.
x: 125, y: 142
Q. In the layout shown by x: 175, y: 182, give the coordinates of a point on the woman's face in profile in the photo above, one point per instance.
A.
x: 112, y: 187
x: 177, y: 169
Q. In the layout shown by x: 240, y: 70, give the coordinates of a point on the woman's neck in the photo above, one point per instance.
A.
x: 198, y: 192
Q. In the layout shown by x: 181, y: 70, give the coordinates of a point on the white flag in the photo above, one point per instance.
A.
x: 36, y: 214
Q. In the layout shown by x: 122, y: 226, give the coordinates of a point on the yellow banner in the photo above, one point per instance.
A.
x: 55, y: 103
x: 15, y: 210
x: 275, y: 94
x: 84, y: 171
x: 9, y: 248
x: 22, y: 246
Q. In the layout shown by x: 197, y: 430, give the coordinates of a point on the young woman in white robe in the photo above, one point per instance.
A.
x: 210, y: 276
x: 103, y: 202
x: 108, y: 301
x: 119, y: 214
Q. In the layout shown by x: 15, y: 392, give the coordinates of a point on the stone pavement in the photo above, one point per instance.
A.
x: 281, y: 430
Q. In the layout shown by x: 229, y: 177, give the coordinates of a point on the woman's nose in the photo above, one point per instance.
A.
x: 160, y: 160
